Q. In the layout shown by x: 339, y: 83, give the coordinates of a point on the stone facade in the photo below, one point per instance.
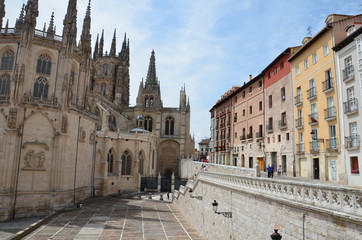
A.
x: 67, y: 131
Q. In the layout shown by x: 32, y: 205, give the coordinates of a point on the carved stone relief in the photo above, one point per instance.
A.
x: 64, y: 128
x: 12, y: 118
x: 82, y: 134
x: 33, y: 160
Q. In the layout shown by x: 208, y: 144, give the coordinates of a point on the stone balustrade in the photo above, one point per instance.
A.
x: 341, y: 200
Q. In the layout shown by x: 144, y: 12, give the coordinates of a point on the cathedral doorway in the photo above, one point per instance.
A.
x: 169, y: 157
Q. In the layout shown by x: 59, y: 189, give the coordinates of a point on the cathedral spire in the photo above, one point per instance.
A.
x: 70, y: 25
x: 20, y: 20
x: 85, y: 38
x: 101, y: 45
x: 32, y: 13
x: 95, y: 53
x: 151, y: 80
x: 112, y: 52
x: 2, y: 12
x: 50, y: 30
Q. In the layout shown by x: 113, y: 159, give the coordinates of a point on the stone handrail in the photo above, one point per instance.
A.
x: 342, y: 200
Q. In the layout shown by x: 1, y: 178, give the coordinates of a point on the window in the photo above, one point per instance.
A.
x: 270, y: 124
x: 269, y: 75
x: 348, y: 71
x: 41, y: 88
x: 270, y: 101
x: 243, y: 94
x: 282, y: 93
x: 275, y: 70
x: 126, y: 163
x: 306, y: 64
x: 313, y: 112
x: 260, y: 106
x: 105, y: 69
x: 314, y: 58
x: 236, y: 117
x: 148, y: 123
x: 44, y: 64
x: 170, y: 126
x: 283, y: 119
x: 236, y: 135
x: 250, y: 109
x: 110, y: 161
x: 103, y: 89
x: 279, y: 138
x: 354, y: 165
x: 312, y: 90
x: 4, y: 84
x: 332, y: 137
x: 7, y: 60
x: 351, y: 29
x: 243, y: 112
x: 325, y: 49
x: 260, y: 84
x: 287, y: 136
x: 297, y: 70
x: 281, y: 64
x: 250, y: 89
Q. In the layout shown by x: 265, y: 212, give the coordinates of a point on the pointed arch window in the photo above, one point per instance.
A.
x: 4, y: 84
x: 44, y: 64
x: 126, y: 163
x: 148, y: 124
x: 41, y: 88
x: 170, y: 126
x: 110, y: 161
x: 105, y: 69
x: 7, y: 61
x: 103, y: 89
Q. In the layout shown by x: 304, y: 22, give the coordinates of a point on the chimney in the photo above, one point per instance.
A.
x: 250, y: 77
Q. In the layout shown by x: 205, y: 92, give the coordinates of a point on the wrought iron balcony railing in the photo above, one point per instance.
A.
x: 351, y: 106
x: 348, y: 73
x: 352, y: 142
x: 330, y: 113
x: 312, y: 93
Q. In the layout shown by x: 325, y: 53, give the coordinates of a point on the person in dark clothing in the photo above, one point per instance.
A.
x: 271, y: 171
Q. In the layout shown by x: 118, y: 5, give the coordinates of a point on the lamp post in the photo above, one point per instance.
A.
x: 225, y: 214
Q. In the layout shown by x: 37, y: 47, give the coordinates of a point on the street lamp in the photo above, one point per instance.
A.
x: 225, y: 214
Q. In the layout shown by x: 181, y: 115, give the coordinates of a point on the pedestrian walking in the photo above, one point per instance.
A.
x: 269, y: 171
x: 168, y: 196
x: 279, y: 170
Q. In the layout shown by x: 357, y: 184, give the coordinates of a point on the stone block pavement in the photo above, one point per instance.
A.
x: 109, y: 218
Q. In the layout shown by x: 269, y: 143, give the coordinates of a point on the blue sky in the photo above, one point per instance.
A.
x: 208, y: 45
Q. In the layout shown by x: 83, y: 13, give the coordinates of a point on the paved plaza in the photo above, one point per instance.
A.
x: 111, y: 218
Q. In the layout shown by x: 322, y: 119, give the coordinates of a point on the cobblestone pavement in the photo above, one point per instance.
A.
x: 115, y: 218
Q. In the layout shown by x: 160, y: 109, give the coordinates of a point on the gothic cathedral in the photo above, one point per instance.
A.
x: 67, y: 130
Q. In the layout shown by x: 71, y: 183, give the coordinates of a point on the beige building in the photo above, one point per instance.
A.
x: 67, y: 131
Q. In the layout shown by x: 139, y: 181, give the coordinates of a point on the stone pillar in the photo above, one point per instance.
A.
x: 173, y: 182
x: 139, y: 182
x: 257, y: 169
x: 159, y: 182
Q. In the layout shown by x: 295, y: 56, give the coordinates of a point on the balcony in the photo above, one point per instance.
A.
x: 298, y: 100
x: 4, y: 98
x: 315, y: 145
x: 243, y: 137
x: 330, y: 114
x: 283, y: 124
x: 313, y: 118
x: 351, y: 106
x: 352, y: 142
x: 299, y: 123
x: 249, y: 136
x: 269, y: 128
x: 300, y: 148
x: 348, y: 73
x: 312, y: 93
x: 328, y: 86
x: 259, y: 134
x: 332, y: 145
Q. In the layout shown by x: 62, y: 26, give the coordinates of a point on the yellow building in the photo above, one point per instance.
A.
x: 317, y: 134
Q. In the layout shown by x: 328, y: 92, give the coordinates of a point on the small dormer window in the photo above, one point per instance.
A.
x: 350, y: 29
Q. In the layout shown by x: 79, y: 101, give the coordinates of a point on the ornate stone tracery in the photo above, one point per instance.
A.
x: 12, y: 118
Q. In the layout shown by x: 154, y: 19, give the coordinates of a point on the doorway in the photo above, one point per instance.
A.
x: 316, y: 168
x: 284, y: 163
x: 250, y: 162
x: 261, y: 163
x: 274, y: 160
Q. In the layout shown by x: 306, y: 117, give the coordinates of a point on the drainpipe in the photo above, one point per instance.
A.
x: 76, y: 161
x: 18, y: 168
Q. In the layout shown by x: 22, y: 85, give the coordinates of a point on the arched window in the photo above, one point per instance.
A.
x: 148, y: 124
x: 170, y: 126
x: 72, y: 77
x: 151, y: 101
x: 110, y: 161
x: 7, y: 60
x: 105, y: 69
x: 41, y: 88
x: 4, y: 84
x: 103, y: 89
x: 44, y: 64
x: 141, y: 158
x: 126, y: 163
x: 147, y: 101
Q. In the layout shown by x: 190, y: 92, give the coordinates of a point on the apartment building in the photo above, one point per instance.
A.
x: 317, y: 131
x: 349, y: 78
x: 279, y: 123
x: 248, y: 124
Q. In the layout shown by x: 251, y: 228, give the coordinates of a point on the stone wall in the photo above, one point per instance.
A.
x: 256, y: 212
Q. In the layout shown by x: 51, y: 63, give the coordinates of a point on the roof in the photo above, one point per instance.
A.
x: 347, y: 40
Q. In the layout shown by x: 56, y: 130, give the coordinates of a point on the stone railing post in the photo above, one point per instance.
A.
x: 159, y: 182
